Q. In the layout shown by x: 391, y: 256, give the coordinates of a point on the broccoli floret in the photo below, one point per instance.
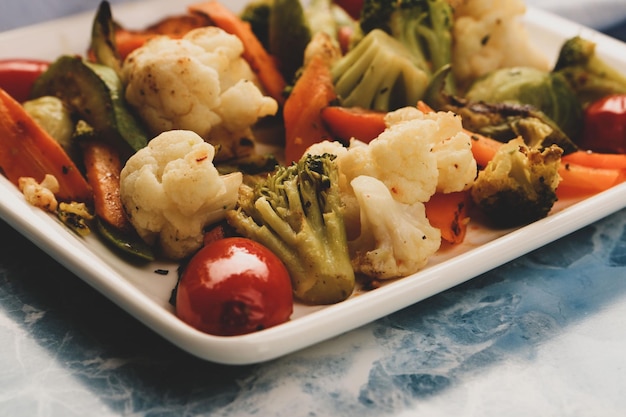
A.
x: 590, y: 76
x: 292, y: 24
x: 297, y: 213
x: 379, y: 73
x: 518, y: 186
x: 257, y: 14
x: 401, y: 45
x: 424, y: 27
x: 288, y: 35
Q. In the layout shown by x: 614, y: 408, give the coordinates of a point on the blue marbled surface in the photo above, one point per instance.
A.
x: 543, y: 335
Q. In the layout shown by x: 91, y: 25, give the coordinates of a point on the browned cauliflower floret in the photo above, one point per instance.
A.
x: 199, y: 83
x: 396, y: 239
x: 489, y: 34
x: 40, y: 194
x: 385, y: 183
x: 171, y: 191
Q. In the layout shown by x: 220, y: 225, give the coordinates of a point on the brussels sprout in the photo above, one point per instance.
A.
x: 589, y: 75
x: 501, y: 121
x: 53, y: 116
x: 548, y: 92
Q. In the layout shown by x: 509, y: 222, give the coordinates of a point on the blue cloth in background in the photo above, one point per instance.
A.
x: 617, y: 30
x: 14, y: 13
x: 597, y: 14
x: 606, y: 15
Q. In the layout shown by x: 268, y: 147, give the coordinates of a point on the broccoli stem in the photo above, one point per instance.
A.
x: 424, y: 27
x: 379, y: 74
x: 297, y: 214
x: 438, y: 36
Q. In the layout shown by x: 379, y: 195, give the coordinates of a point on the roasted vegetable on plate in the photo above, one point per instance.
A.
x: 331, y: 150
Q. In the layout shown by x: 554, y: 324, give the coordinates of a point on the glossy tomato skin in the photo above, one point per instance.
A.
x: 605, y: 125
x: 353, y: 7
x: 18, y: 75
x: 234, y: 286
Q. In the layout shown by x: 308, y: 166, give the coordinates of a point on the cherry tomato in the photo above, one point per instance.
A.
x: 234, y: 286
x: 353, y: 7
x: 605, y: 125
x: 18, y: 75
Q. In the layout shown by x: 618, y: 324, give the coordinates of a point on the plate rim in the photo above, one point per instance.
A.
x: 320, y: 325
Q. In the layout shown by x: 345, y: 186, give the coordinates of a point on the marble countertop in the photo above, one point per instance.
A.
x: 543, y: 335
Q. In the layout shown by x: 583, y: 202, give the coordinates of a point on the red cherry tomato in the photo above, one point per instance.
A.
x: 353, y: 7
x: 234, y: 286
x: 605, y: 125
x: 18, y: 75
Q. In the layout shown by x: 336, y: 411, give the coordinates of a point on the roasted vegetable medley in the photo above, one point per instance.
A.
x: 303, y: 151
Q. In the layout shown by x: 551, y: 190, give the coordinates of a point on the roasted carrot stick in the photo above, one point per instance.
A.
x: 582, y: 173
x: 579, y: 181
x: 596, y: 159
x: 27, y: 150
x: 173, y: 26
x: 345, y: 123
x: 103, y: 167
x: 425, y: 108
x: 127, y: 41
x: 483, y: 148
x: 261, y: 62
x: 302, y: 116
x: 449, y: 213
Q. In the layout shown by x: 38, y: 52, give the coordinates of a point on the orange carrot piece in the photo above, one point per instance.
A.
x: 579, y: 181
x: 261, y: 62
x: 449, y: 213
x: 27, y: 150
x: 177, y: 26
x: 103, y: 166
x: 345, y: 123
x: 313, y: 91
x: 127, y: 41
x: 173, y: 26
x: 423, y: 107
x: 596, y: 159
x: 582, y: 174
x: 483, y: 148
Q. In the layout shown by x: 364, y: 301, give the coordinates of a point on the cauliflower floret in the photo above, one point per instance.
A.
x: 327, y: 146
x: 171, y: 191
x: 489, y: 35
x: 396, y: 239
x: 199, y: 83
x: 40, y: 194
x: 417, y: 155
x: 456, y: 166
x: 400, y: 157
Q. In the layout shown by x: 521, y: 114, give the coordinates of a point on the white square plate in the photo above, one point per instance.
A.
x: 145, y: 294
